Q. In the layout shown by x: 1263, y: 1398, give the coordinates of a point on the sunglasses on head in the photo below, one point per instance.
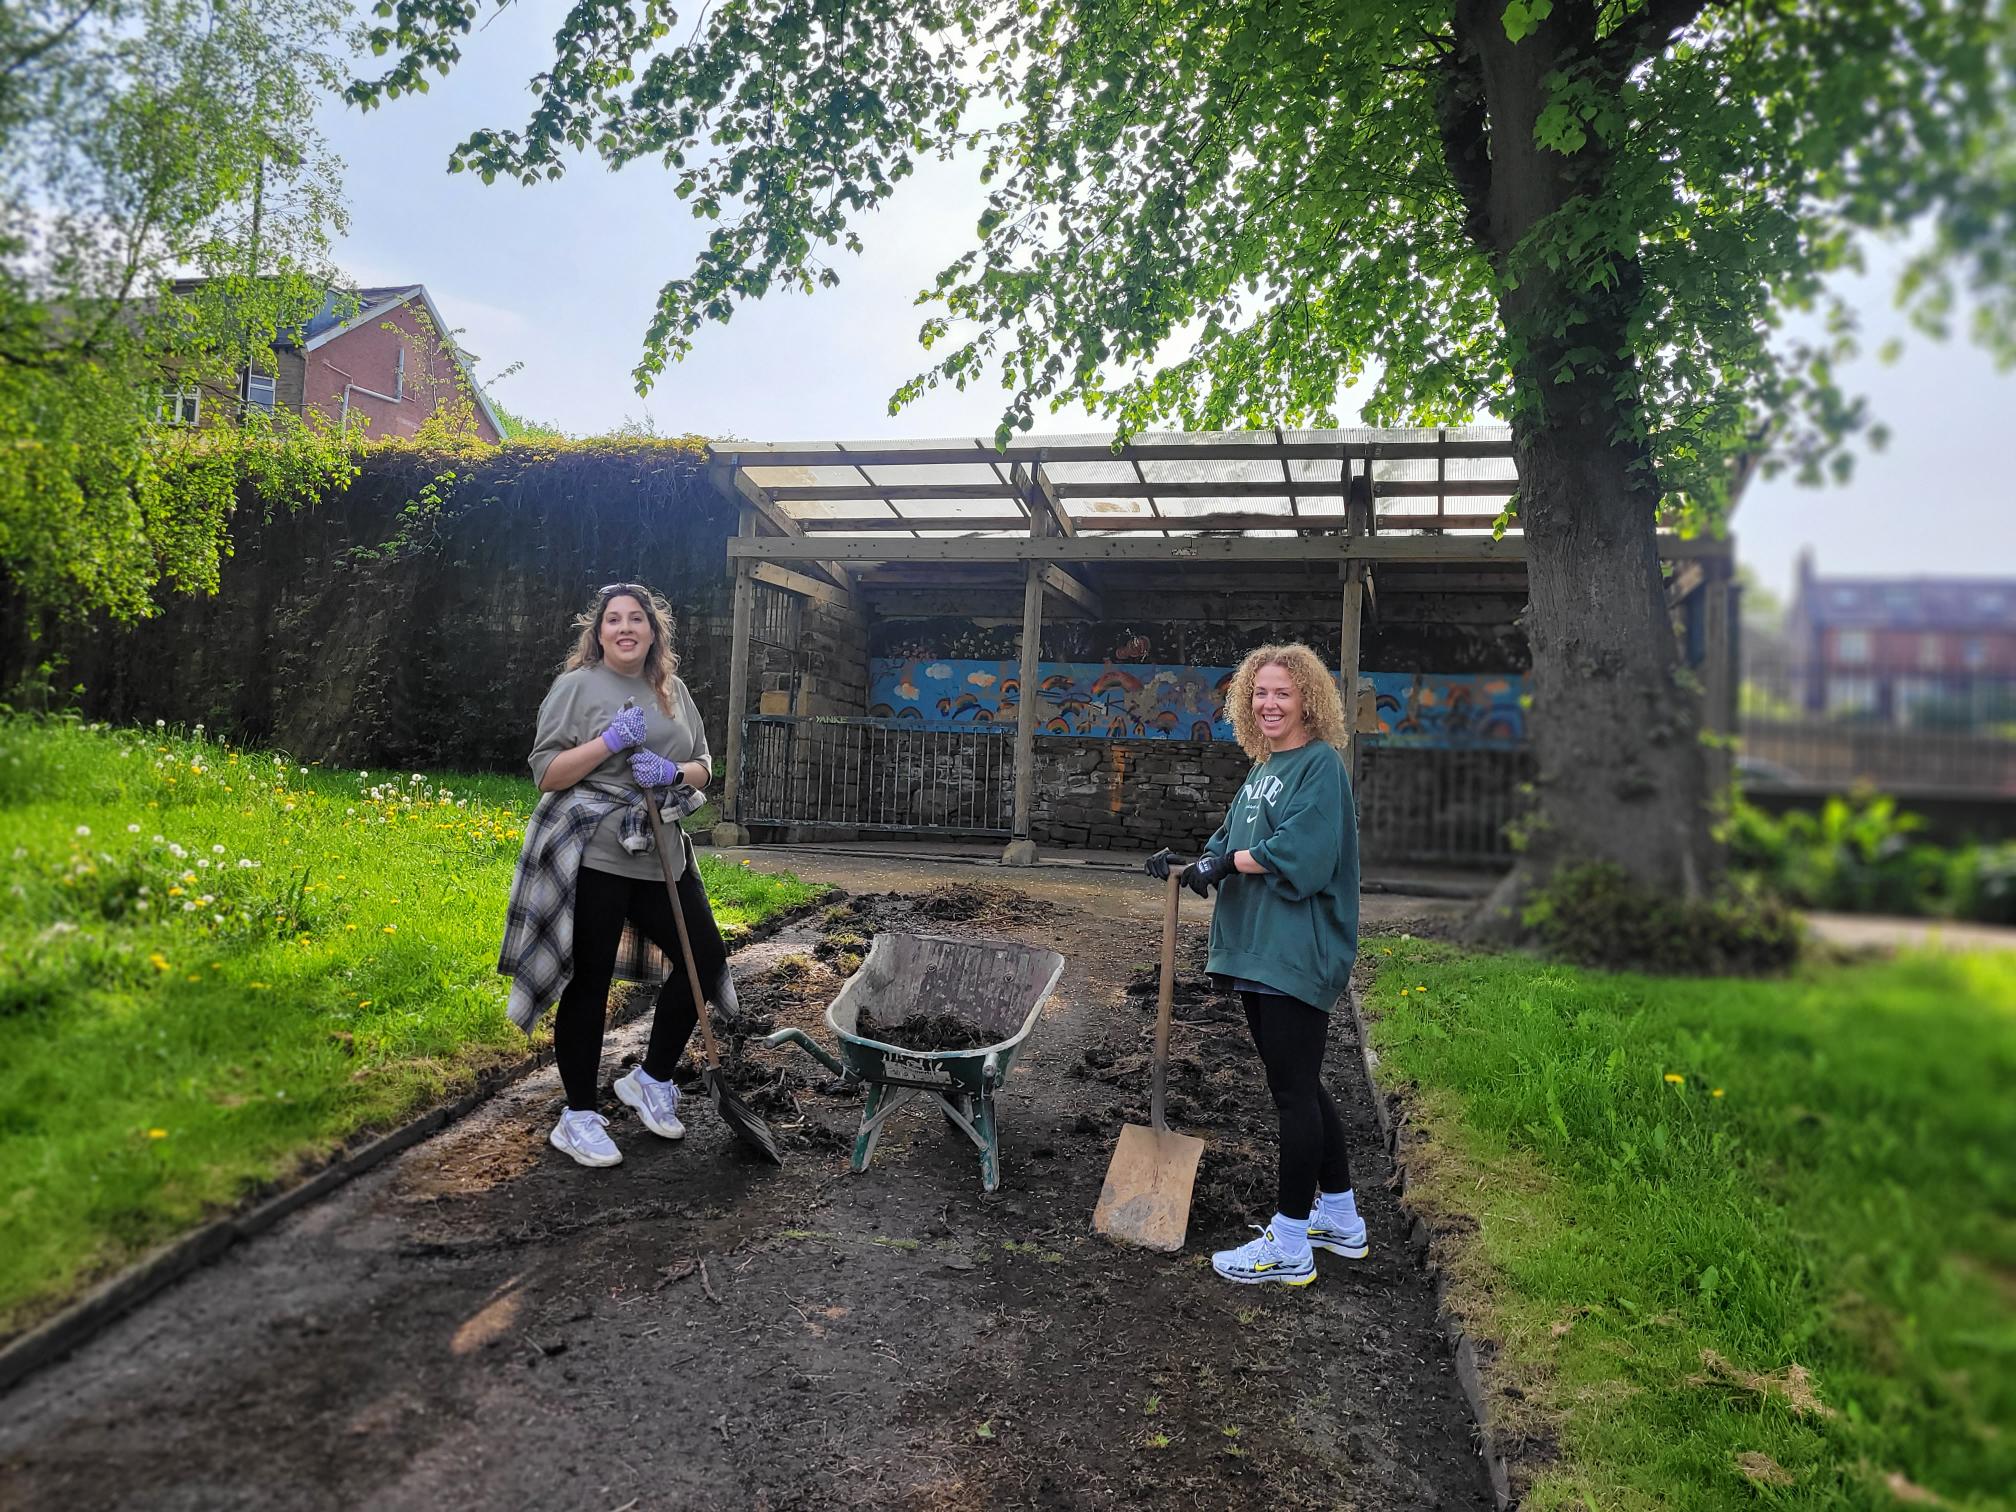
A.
x: 637, y: 590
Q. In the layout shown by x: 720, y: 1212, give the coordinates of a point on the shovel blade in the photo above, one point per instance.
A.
x: 746, y: 1123
x: 1146, y: 1199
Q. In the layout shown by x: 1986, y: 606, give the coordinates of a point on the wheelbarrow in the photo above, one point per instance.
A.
x: 997, y: 987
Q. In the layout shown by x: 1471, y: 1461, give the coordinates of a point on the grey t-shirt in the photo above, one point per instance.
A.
x: 577, y: 708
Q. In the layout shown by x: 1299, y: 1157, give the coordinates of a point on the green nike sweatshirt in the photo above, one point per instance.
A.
x: 1294, y: 928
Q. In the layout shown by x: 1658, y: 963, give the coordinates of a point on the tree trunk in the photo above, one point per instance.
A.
x: 1621, y: 774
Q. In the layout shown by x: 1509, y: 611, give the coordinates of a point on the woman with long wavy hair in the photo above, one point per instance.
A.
x: 617, y: 729
x: 1284, y: 933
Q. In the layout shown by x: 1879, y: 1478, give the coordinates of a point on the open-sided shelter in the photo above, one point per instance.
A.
x: 1032, y: 643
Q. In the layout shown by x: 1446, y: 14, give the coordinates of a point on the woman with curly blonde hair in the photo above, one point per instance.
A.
x: 1284, y: 933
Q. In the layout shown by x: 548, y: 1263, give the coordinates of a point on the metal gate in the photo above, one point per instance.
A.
x: 880, y: 775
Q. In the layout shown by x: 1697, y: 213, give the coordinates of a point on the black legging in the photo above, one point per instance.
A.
x: 603, y: 902
x: 1290, y: 1035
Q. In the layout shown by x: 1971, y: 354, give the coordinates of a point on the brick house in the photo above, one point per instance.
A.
x: 379, y: 359
x: 1880, y: 648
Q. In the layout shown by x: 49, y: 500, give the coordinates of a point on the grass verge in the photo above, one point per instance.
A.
x: 1738, y: 1243
x: 217, y: 966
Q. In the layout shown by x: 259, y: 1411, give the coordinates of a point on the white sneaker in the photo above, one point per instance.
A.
x: 1262, y: 1260
x: 585, y: 1136
x: 656, y: 1102
x: 1340, y: 1236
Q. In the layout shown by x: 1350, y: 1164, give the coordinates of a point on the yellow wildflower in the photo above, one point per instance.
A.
x: 391, y: 929
x: 256, y: 986
x: 363, y: 1002
x: 1676, y: 1078
x: 158, y: 961
x: 157, y: 1133
x: 1717, y: 1092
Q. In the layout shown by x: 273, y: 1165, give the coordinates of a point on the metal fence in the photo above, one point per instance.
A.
x: 1899, y: 731
x: 1426, y: 804
x: 884, y: 775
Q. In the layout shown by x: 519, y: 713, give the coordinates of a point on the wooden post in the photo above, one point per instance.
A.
x: 1718, y: 672
x: 730, y: 830
x: 1021, y: 849
x: 1347, y: 660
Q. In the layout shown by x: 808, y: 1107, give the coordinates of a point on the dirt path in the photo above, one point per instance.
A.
x: 484, y: 1324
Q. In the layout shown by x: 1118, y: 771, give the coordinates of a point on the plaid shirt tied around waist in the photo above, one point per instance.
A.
x: 538, y: 953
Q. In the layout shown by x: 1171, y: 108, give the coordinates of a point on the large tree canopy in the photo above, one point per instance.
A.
x: 165, y: 212
x: 1588, y: 217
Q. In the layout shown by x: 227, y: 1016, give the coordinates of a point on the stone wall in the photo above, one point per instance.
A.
x: 1132, y: 794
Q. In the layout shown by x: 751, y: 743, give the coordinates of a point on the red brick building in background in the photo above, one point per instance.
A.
x: 379, y: 360
x: 1899, y: 651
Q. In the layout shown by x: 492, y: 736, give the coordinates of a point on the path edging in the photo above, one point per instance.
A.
x: 74, y: 1326
x: 1468, y: 1375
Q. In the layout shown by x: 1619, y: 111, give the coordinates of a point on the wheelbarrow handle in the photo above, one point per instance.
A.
x: 810, y: 1046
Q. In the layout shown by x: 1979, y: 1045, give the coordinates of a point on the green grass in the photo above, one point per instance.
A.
x: 216, y: 965
x: 1816, y: 1172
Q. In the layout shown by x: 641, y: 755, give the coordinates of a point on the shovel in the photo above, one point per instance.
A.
x: 1146, y: 1199
x: 738, y: 1115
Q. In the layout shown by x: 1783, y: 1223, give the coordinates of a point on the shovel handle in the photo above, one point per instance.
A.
x: 658, y: 838
x: 1165, y: 1004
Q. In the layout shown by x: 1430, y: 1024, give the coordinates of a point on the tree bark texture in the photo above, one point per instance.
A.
x: 1622, y: 777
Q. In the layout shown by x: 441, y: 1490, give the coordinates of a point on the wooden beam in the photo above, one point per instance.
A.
x: 1348, y: 659
x: 1398, y: 488
x: 1200, y: 549
x: 1066, y: 586
x: 1021, y: 848
x: 804, y: 587
x: 1042, y: 494
x: 798, y: 454
x: 767, y: 510
x: 1094, y: 521
x: 738, y: 702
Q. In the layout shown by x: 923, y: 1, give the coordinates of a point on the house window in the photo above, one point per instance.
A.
x: 259, y: 392
x: 1851, y: 648
x: 1975, y: 654
x: 1850, y: 696
x: 1931, y: 652
x: 179, y: 406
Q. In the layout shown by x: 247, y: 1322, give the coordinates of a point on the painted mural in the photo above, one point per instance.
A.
x: 1150, y: 701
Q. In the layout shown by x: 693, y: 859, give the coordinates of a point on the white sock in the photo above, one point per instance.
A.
x: 645, y: 1076
x: 1291, y: 1234
x: 1340, y: 1208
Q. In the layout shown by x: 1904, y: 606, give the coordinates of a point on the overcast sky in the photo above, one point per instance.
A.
x: 562, y: 279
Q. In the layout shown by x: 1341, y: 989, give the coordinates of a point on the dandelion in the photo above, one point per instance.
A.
x: 1716, y: 1092
x: 245, y: 863
x: 1676, y: 1079
x: 160, y: 724
x: 391, y: 929
x: 84, y: 831
x: 304, y: 771
x: 158, y: 961
x: 257, y: 986
x: 204, y: 862
x: 216, y: 850
x: 363, y: 1002
x: 20, y: 853
x: 194, y: 978
x: 188, y: 908
x: 199, y: 729
x: 177, y: 852
x: 157, y: 1133
x: 145, y: 891
x: 157, y: 839
x: 174, y: 892
x: 216, y: 965
x: 132, y: 829
x: 350, y: 926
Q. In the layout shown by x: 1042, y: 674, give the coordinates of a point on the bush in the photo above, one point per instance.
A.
x: 1860, y: 855
x: 1598, y: 915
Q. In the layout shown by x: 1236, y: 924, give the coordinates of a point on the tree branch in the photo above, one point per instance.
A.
x: 1646, y: 33
x: 1464, y: 122
x: 30, y: 53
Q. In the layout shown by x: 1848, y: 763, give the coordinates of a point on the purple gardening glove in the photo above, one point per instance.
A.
x: 653, y: 771
x: 625, y: 730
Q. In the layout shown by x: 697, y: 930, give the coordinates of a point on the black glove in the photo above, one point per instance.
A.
x: 1205, y: 873
x: 1157, y: 865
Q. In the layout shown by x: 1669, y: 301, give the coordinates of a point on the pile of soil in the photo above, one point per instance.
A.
x: 976, y: 902
x: 1194, y: 998
x: 927, y: 1031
